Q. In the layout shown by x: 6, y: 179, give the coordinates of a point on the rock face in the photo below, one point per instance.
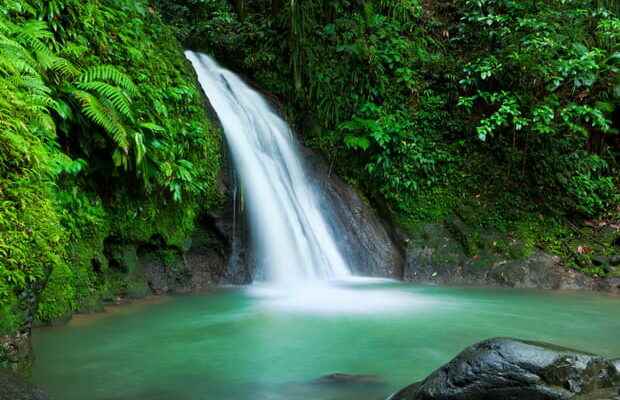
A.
x: 510, y: 369
x: 12, y: 387
x: 366, y: 240
x: 435, y: 255
x: 202, y: 265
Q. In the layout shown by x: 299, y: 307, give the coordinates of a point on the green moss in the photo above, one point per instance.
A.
x: 68, y: 182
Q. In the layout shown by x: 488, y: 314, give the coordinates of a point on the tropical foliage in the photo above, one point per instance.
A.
x: 503, y: 113
x: 507, y: 107
x: 104, y: 135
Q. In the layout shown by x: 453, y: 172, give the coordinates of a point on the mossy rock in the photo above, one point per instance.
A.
x: 123, y: 257
x: 137, y: 289
x: 468, y: 238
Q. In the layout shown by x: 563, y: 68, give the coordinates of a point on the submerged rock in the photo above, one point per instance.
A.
x: 348, y: 379
x: 12, y: 387
x: 506, y: 369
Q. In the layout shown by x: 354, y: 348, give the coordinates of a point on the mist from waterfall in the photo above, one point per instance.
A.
x: 293, y: 240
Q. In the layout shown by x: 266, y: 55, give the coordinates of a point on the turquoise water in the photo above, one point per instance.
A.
x: 232, y: 345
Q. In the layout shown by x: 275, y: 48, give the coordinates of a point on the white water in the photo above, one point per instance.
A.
x: 293, y: 239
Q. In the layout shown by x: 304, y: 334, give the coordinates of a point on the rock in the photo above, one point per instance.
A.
x: 122, y: 257
x: 368, y: 243
x: 12, y: 387
x: 506, y: 369
x: 207, y: 259
x: 348, y: 379
x: 463, y: 234
x: 617, y: 364
x: 434, y: 256
x: 611, y: 285
x: 16, y: 351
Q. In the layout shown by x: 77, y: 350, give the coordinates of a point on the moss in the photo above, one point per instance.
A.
x: 140, y: 222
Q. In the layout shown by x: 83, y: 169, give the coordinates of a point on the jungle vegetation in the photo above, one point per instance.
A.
x: 104, y: 137
x: 501, y: 112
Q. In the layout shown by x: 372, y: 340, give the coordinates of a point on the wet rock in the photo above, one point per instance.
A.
x: 504, y: 369
x: 122, y: 257
x: 611, y: 285
x: 202, y: 265
x: 435, y: 256
x: 13, y: 387
x: 368, y: 243
x: 229, y: 225
x: 16, y: 351
x: 206, y: 260
x: 348, y: 379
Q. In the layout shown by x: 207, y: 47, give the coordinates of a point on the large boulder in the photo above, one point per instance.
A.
x: 12, y: 387
x: 510, y: 369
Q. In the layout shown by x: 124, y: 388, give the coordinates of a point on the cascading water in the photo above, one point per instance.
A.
x: 293, y: 238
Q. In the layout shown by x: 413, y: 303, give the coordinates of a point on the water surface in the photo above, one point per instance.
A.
x: 233, y: 345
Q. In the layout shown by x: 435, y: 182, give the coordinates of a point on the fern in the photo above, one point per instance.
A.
x: 104, y: 117
x: 61, y: 66
x: 112, y: 93
x: 108, y: 73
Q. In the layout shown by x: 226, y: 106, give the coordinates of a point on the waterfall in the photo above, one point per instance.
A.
x: 294, y: 242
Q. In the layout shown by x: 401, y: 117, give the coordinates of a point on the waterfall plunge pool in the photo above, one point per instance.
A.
x: 260, y: 344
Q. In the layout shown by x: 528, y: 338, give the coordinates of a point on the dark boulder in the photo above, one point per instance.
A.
x: 12, y: 387
x: 510, y: 369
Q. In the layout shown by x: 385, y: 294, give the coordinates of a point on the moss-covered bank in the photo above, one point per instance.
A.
x: 105, y: 147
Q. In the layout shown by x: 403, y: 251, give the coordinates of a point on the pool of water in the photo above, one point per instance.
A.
x: 256, y: 344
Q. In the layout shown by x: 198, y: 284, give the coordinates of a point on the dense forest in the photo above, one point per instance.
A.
x: 500, y: 115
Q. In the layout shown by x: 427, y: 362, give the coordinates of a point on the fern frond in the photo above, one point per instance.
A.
x: 113, y: 94
x: 139, y: 147
x: 104, y: 117
x: 16, y: 66
x: 32, y: 33
x: 152, y: 127
x: 108, y: 73
x: 57, y: 64
x: 33, y: 84
x: 34, y: 29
